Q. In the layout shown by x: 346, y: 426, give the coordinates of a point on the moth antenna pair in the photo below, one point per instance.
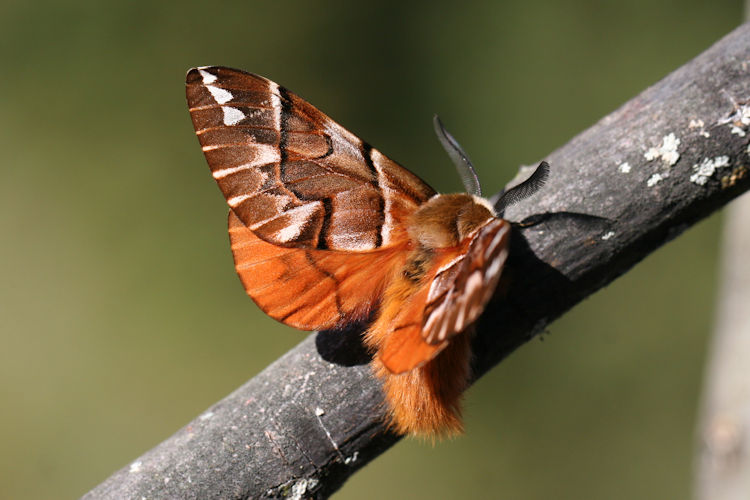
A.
x: 470, y: 179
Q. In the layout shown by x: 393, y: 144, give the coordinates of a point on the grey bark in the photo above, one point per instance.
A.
x: 616, y: 193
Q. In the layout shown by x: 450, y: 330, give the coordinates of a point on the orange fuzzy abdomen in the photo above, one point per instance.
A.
x: 424, y: 400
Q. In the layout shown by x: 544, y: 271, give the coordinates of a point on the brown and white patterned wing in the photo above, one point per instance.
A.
x: 464, y: 285
x: 291, y: 174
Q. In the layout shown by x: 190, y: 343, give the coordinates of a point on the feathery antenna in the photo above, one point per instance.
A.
x: 459, y: 157
x: 523, y: 190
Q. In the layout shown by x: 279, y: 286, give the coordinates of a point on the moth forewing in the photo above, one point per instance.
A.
x: 290, y: 173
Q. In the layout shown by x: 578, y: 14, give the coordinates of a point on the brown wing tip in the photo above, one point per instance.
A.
x: 192, y: 76
x: 208, y: 74
x: 200, y: 74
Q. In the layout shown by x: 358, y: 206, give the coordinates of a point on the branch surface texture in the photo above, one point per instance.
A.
x: 635, y: 180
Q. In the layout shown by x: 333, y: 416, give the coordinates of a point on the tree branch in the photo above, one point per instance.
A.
x: 616, y: 193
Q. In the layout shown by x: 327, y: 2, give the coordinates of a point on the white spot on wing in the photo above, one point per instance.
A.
x: 236, y: 200
x: 495, y: 265
x: 475, y: 280
x: 207, y: 77
x: 232, y: 116
x: 220, y: 174
x: 299, y: 215
x: 264, y: 155
x: 608, y: 235
x: 667, y: 151
x: 495, y: 242
x: 474, y: 285
x: 624, y: 167
x: 282, y: 201
x: 273, y: 88
x: 443, y: 331
x: 460, y: 317
x: 435, y: 315
x: 136, y: 466
x: 220, y: 95
x: 289, y: 233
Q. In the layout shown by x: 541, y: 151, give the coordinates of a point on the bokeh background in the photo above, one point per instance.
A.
x: 121, y: 317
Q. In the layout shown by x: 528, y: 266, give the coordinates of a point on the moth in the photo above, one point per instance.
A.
x: 327, y: 231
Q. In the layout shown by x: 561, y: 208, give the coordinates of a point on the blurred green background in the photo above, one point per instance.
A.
x: 121, y: 318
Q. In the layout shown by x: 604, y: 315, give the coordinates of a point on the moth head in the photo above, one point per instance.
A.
x: 447, y: 219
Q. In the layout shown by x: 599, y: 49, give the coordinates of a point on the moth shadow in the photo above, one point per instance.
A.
x: 343, y: 346
x: 531, y: 292
x: 564, y: 217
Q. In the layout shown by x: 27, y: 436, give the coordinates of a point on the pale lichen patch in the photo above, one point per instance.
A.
x: 705, y: 170
x: 654, y: 180
x: 701, y: 126
x: 739, y: 121
x: 667, y: 151
x: 136, y: 466
x: 301, y: 488
x: 624, y: 167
